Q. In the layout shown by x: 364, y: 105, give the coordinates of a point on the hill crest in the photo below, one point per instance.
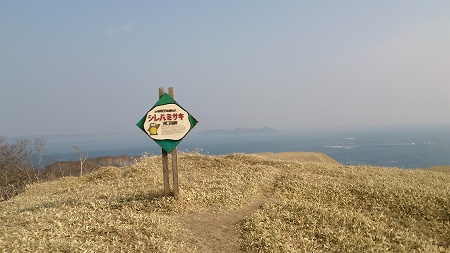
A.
x: 247, y: 203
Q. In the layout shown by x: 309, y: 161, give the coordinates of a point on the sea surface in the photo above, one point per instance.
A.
x: 402, y: 147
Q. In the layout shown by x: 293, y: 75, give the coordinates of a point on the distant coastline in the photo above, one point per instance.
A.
x: 378, y: 147
x: 264, y: 130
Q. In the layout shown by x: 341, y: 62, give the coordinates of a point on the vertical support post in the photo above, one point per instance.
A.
x: 174, y: 158
x: 165, y: 162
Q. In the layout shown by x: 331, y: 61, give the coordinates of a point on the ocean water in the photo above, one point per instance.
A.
x: 402, y: 147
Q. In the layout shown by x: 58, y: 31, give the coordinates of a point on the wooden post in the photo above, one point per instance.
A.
x: 165, y: 162
x: 174, y: 159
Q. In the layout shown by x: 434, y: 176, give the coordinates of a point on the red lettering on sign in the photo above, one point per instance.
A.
x: 151, y: 117
x: 164, y: 117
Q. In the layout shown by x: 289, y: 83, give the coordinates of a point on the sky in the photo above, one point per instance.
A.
x: 75, y: 67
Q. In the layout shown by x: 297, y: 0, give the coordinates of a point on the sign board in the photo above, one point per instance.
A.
x: 167, y: 123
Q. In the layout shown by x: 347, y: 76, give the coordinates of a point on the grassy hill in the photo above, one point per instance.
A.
x: 233, y: 203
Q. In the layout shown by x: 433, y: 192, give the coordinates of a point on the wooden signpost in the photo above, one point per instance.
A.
x: 167, y: 123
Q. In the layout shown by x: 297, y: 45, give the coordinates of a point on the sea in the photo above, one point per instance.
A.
x: 401, y: 147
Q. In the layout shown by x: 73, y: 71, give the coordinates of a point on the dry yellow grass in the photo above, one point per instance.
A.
x: 233, y: 203
x: 445, y: 169
x: 299, y: 156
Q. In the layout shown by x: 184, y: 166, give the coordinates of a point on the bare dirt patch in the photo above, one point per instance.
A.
x: 217, y: 231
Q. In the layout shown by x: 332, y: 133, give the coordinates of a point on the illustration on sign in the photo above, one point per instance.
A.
x: 167, y: 123
x: 153, y: 128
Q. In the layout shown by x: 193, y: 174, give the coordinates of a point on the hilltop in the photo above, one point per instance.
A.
x: 234, y: 203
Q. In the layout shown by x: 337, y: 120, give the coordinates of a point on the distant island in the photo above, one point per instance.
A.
x: 264, y: 130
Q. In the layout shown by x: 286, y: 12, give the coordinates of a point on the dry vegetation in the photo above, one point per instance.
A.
x: 233, y: 203
x: 445, y: 169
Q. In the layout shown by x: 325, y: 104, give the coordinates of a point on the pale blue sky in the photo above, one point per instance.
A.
x: 70, y: 67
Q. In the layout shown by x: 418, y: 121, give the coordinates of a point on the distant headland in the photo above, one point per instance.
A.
x: 264, y: 130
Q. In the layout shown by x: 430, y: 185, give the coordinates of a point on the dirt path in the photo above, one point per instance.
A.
x: 218, y: 231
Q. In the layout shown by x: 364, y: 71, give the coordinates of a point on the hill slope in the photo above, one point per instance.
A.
x: 233, y: 203
x: 299, y: 157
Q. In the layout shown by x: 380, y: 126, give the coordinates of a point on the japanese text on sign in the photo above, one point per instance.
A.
x: 167, y: 122
x: 164, y: 117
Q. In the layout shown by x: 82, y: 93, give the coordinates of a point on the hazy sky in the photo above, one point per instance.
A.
x: 70, y: 67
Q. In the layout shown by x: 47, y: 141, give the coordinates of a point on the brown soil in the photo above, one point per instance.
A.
x: 217, y: 231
